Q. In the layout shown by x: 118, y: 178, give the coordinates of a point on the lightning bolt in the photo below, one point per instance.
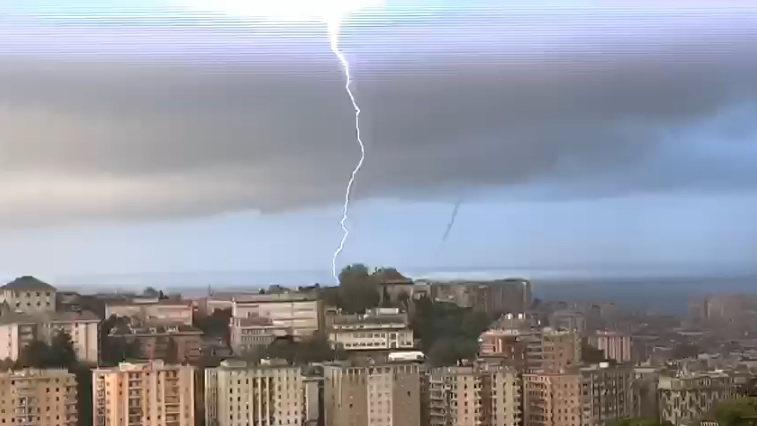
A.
x: 334, y: 27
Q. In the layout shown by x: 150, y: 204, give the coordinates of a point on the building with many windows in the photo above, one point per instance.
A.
x: 18, y: 330
x: 146, y: 394
x: 241, y: 394
x: 38, y: 397
x: 378, y: 329
x: 28, y: 295
x: 474, y: 395
x: 376, y: 395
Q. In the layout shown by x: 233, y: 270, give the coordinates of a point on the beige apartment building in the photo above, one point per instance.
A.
x: 474, y: 395
x: 241, y: 394
x: 301, y: 313
x: 376, y: 395
x: 144, y: 394
x: 685, y: 399
x: 38, y: 397
x: 153, y: 311
x: 18, y: 330
x: 28, y: 295
x: 544, y: 350
x: 615, y: 345
x: 587, y: 396
x: 378, y: 329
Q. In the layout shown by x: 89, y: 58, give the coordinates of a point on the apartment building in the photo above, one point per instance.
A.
x: 544, y: 350
x: 28, y: 295
x: 159, y: 341
x: 145, y: 394
x: 683, y: 400
x: 376, y: 395
x: 255, y: 333
x: 615, y: 345
x: 552, y: 399
x: 241, y: 394
x: 153, y: 311
x: 586, y: 396
x: 496, y: 297
x: 18, y: 330
x: 301, y: 313
x: 38, y: 397
x: 378, y: 329
x: 608, y: 393
x: 474, y: 395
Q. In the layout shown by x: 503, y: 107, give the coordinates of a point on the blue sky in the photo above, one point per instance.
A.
x: 578, y: 138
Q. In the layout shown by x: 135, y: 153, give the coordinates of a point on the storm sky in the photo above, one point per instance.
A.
x: 155, y: 138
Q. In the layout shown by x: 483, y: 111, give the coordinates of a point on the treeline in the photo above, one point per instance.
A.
x: 315, y: 349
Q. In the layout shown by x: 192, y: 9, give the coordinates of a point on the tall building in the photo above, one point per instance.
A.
x: 552, y: 399
x: 238, y: 394
x: 376, y: 395
x: 145, y: 394
x: 28, y: 295
x: 686, y: 398
x: 38, y: 397
x: 473, y: 395
x: 615, y: 345
x: 608, y: 393
x: 544, y: 350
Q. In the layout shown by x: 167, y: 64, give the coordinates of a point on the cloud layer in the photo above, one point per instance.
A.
x: 117, y: 121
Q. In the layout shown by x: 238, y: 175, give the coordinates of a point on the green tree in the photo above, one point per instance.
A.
x: 590, y: 354
x: 737, y: 412
x: 35, y: 355
x: 215, y: 324
x: 638, y: 421
x: 358, y: 290
x: 61, y: 351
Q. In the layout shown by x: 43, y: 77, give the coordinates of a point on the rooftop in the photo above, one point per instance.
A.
x: 28, y: 283
x: 48, y: 317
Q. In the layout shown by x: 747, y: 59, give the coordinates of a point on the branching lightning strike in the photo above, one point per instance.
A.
x: 334, y: 26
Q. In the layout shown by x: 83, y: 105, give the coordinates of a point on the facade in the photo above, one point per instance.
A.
x: 238, y: 394
x: 298, y: 312
x: 615, y: 345
x: 684, y: 400
x: 377, y: 395
x: 146, y: 394
x: 18, y: 330
x: 378, y: 329
x: 38, y: 397
x: 153, y: 311
x: 608, y: 393
x: 587, y: 396
x: 552, y: 399
x: 545, y: 350
x: 251, y: 334
x: 28, y: 295
x: 509, y: 296
x: 474, y: 395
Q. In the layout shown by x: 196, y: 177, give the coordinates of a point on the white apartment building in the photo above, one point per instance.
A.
x: 378, y: 329
x: 145, y: 394
x: 240, y: 394
x: 300, y: 313
x: 18, y: 330
x: 28, y: 295
x: 251, y: 334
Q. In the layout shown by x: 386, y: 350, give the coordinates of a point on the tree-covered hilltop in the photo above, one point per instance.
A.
x: 447, y: 332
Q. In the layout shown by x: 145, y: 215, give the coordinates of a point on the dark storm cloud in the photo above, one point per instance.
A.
x: 235, y: 128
